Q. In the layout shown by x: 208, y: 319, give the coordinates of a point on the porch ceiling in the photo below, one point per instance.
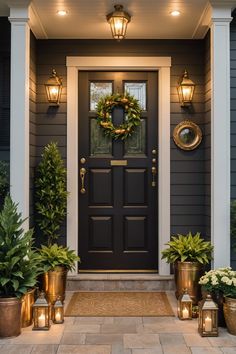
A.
x: 86, y: 19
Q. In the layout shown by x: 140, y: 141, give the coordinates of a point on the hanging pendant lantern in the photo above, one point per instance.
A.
x: 53, y: 89
x: 118, y: 21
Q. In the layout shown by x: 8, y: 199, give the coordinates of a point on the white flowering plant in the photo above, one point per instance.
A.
x: 221, y: 280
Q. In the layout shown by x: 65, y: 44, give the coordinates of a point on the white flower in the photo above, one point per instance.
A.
x: 225, y: 279
x: 215, y: 281
x: 204, y: 280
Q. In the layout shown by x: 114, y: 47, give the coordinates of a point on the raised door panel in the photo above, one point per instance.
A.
x: 100, y: 187
x: 135, y: 187
x: 100, y: 233
x: 135, y: 235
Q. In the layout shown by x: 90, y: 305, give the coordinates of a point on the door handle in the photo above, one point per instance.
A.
x: 154, y: 172
x: 82, y: 177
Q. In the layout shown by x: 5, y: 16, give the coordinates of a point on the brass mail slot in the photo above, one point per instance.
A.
x: 118, y: 162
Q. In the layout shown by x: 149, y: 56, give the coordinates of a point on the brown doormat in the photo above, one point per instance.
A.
x: 117, y: 304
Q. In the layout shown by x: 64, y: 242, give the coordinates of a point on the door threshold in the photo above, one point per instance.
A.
x: 119, y: 271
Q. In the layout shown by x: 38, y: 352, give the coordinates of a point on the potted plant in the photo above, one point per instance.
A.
x: 19, y: 268
x: 189, y: 254
x: 4, y: 181
x: 222, y: 282
x: 51, y: 199
x: 57, y: 260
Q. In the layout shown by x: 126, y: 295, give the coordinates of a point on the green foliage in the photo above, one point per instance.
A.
x: 233, y: 224
x: 19, y: 263
x: 4, y: 179
x: 50, y: 192
x: 54, y: 256
x: 189, y: 248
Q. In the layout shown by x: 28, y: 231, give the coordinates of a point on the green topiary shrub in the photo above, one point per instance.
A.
x: 50, y: 193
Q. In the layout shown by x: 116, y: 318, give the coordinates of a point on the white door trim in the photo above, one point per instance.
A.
x: 160, y: 64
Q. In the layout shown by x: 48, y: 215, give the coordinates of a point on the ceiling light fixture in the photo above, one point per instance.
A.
x: 118, y: 21
x: 62, y: 12
x: 175, y: 13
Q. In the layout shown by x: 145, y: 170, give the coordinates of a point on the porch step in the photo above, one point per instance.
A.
x: 120, y: 282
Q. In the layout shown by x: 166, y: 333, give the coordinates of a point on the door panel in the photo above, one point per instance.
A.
x: 118, y: 211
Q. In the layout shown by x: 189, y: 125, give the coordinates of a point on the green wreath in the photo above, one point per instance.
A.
x: 132, y: 110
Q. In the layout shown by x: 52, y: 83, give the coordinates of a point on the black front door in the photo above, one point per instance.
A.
x: 118, y: 209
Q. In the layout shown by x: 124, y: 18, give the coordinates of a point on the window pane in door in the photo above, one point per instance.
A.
x: 138, y: 90
x: 135, y: 145
x: 99, y: 143
x: 97, y: 90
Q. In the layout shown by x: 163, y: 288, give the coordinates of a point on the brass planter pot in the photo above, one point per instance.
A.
x: 187, y: 275
x: 54, y: 284
x: 230, y: 314
x: 26, y: 308
x: 10, y: 317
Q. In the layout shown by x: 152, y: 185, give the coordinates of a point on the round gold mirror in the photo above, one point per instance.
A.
x: 187, y: 135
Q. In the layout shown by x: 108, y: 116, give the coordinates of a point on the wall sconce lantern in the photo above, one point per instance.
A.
x: 58, y: 312
x: 185, y: 304
x: 41, y: 313
x: 118, y: 21
x: 185, y: 89
x: 208, y: 318
x: 53, y: 89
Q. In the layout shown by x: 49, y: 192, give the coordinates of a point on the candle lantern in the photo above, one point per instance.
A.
x: 41, y: 313
x: 208, y: 318
x: 185, y: 304
x: 58, y: 311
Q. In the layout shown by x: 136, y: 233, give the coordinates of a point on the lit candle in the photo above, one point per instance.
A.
x: 185, y: 313
x: 58, y: 316
x: 41, y: 321
x: 208, y: 324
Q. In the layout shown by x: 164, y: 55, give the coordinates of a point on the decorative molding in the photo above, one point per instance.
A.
x: 160, y: 64
x: 36, y: 24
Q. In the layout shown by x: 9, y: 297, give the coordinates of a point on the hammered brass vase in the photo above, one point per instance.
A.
x: 187, y: 275
x: 10, y: 317
x: 54, y: 284
x: 27, y: 309
x: 230, y: 314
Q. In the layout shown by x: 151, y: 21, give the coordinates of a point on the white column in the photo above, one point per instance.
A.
x: 19, y: 132
x: 220, y: 135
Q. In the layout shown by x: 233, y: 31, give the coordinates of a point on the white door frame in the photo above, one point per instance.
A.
x: 160, y: 64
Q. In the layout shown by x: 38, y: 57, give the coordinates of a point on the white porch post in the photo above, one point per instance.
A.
x: 19, y: 132
x: 220, y: 135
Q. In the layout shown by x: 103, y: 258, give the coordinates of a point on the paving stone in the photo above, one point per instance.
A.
x: 44, y: 349
x: 118, y: 348
x: 94, y: 320
x: 171, y: 339
x: 195, y: 340
x: 228, y: 350
x: 128, y: 320
x: 73, y: 338
x: 118, y: 328
x: 104, y: 338
x: 37, y: 337
x: 82, y: 328
x: 176, y: 349
x: 84, y: 349
x: 157, y: 350
x: 204, y: 350
x: 16, y: 349
x: 166, y: 320
x: 141, y: 341
x: 163, y: 327
x: 224, y: 340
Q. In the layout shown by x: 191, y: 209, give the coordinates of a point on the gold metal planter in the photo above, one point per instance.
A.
x: 26, y: 308
x: 187, y: 275
x: 230, y: 314
x: 10, y: 317
x: 54, y: 284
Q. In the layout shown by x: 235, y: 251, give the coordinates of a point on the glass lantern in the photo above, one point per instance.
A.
x: 208, y: 318
x: 53, y: 88
x: 186, y: 89
x: 41, y: 314
x: 185, y: 305
x: 58, y: 311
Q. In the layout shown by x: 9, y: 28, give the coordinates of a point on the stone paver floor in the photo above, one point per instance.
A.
x: 120, y: 335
